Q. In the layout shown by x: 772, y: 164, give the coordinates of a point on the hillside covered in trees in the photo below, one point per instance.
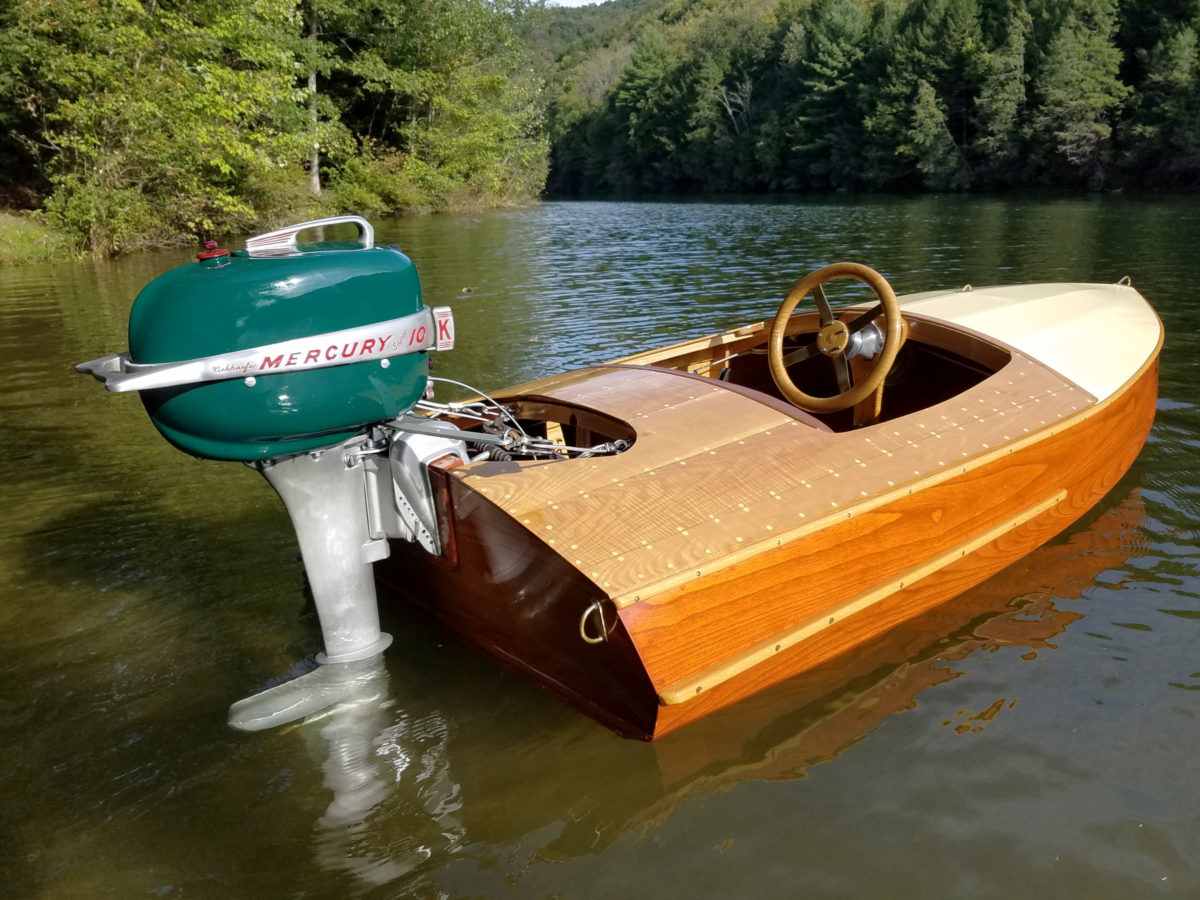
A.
x: 139, y: 122
x: 802, y: 95
x: 132, y: 123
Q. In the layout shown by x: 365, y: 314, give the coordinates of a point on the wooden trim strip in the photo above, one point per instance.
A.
x: 751, y: 549
x: 655, y: 356
x: 629, y: 598
x: 682, y: 691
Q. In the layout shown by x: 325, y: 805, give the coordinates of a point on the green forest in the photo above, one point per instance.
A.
x: 816, y: 95
x: 134, y: 123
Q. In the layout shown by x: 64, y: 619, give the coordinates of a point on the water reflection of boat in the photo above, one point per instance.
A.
x: 656, y: 538
x: 396, y: 783
x: 783, y: 732
x: 1019, y: 607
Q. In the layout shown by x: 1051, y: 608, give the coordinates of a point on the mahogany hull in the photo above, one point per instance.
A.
x: 503, y: 593
x: 675, y: 657
x: 1080, y: 463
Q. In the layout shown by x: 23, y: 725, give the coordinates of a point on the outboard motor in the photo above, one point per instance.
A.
x: 298, y: 359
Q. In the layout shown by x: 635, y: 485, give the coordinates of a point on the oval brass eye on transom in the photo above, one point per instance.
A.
x: 605, y: 630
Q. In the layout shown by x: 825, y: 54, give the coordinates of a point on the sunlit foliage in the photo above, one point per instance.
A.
x: 145, y: 122
x: 138, y: 122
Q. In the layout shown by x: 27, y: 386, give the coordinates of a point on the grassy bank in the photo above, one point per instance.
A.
x: 26, y: 238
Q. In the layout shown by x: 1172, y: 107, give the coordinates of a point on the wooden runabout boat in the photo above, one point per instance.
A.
x: 656, y: 537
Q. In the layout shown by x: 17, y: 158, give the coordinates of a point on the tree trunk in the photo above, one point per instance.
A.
x: 314, y: 162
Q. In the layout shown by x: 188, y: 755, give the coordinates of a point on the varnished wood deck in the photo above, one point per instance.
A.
x: 738, y: 542
x: 715, y: 477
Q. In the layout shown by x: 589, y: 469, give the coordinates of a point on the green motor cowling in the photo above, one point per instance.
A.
x: 280, y: 348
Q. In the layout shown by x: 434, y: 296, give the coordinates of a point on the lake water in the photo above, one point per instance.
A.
x: 1035, y: 737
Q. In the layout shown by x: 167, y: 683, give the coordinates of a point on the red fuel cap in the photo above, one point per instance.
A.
x: 211, y: 251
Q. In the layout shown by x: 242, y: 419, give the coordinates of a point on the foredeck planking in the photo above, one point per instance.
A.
x: 714, y: 476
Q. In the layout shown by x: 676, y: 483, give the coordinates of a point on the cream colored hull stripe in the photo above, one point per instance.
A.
x: 684, y: 690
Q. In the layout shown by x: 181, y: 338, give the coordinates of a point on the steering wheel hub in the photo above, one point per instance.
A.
x: 834, y: 338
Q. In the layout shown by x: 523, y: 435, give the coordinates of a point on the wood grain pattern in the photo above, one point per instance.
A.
x: 715, y: 476
x: 727, y: 669
x: 1085, y: 460
x: 1026, y: 605
x: 730, y: 523
x: 504, y: 595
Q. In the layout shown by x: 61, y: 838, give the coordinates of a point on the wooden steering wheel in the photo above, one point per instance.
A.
x: 834, y: 338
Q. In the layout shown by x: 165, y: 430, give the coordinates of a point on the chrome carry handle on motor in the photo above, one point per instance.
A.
x: 282, y: 242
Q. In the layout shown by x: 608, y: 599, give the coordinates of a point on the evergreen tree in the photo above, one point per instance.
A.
x: 1080, y: 93
x: 934, y: 43
x: 825, y: 133
x: 1162, y: 134
x: 938, y: 158
x: 1001, y: 99
x: 722, y: 94
x: 647, y: 104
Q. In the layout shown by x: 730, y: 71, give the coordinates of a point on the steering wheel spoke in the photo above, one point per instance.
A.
x: 841, y: 366
x: 824, y: 310
x: 858, y: 323
x: 833, y: 339
x: 800, y: 354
